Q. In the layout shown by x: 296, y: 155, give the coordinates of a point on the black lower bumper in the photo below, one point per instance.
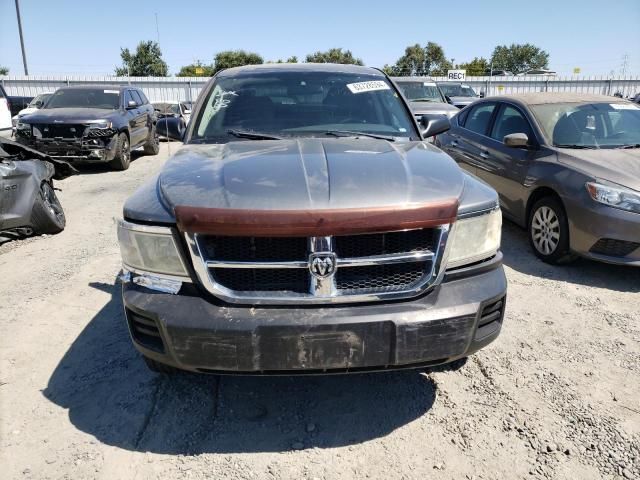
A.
x: 77, y: 150
x: 455, y: 319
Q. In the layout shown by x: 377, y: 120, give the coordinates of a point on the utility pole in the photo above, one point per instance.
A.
x: 625, y: 64
x: 157, y: 29
x: 24, y: 55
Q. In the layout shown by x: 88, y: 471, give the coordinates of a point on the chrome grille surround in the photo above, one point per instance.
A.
x: 324, y: 290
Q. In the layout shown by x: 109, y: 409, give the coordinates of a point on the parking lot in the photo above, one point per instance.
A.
x: 556, y: 396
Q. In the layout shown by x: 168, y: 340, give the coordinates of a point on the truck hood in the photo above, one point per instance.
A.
x: 463, y: 100
x: 621, y: 166
x: 67, y: 115
x: 420, y: 108
x: 309, y: 174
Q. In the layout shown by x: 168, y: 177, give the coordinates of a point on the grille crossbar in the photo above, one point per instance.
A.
x: 366, y: 267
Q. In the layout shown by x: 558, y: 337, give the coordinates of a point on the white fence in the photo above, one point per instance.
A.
x: 188, y: 88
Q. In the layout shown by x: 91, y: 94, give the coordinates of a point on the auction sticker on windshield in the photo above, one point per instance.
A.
x: 372, y: 86
x: 112, y: 91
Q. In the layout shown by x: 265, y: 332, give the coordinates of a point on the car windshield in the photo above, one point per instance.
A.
x: 590, y: 125
x: 455, y: 90
x: 421, y: 92
x: 298, y: 103
x: 85, y: 98
x: 42, y: 98
x: 172, y: 108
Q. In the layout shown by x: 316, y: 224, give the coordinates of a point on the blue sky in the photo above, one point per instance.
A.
x: 73, y: 36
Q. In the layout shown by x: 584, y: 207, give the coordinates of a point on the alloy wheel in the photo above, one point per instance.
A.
x: 545, y: 230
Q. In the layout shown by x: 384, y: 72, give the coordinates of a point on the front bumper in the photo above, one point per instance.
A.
x: 74, y: 150
x: 591, y: 222
x: 193, y: 331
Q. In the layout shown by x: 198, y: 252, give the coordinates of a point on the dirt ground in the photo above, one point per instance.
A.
x: 556, y: 396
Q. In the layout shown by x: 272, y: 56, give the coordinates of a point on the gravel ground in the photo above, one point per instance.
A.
x: 557, y: 396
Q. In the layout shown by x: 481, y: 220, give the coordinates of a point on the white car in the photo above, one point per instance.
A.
x: 5, y: 113
x: 35, y: 104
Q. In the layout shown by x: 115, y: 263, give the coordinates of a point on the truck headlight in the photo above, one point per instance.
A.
x: 617, y: 197
x: 150, y: 249
x: 100, y: 124
x: 475, y: 238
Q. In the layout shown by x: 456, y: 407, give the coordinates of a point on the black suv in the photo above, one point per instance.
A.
x: 92, y: 124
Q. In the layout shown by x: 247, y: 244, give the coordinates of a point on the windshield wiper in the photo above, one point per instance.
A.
x: 252, y: 135
x: 423, y: 100
x: 349, y: 133
x: 583, y: 147
x: 635, y: 145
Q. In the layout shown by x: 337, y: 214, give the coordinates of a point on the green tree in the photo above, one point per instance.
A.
x: 235, y: 58
x: 197, y: 69
x: 412, y: 63
x: 518, y: 58
x: 476, y: 67
x: 145, y: 62
x: 421, y: 61
x: 292, y: 59
x: 436, y: 61
x: 4, y: 71
x: 334, y: 55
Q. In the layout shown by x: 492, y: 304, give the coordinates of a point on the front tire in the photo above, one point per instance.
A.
x: 152, y: 147
x: 47, y: 215
x: 548, y: 231
x: 122, y: 159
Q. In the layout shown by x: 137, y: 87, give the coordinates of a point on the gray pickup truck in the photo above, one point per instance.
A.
x: 307, y: 227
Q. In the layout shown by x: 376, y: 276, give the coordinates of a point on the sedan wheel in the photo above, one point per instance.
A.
x: 545, y: 230
x: 549, y: 231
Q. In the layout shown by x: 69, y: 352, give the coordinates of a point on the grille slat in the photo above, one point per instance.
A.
x: 384, y: 243
x: 380, y: 277
x: 257, y: 249
x: 263, y: 279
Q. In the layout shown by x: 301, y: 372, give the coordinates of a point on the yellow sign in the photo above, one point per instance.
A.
x: 576, y: 70
x: 500, y: 88
x: 199, y: 70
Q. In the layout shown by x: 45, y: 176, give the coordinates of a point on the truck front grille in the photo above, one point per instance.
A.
x: 52, y: 130
x: 338, y: 269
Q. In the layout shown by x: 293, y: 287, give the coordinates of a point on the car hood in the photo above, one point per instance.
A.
x: 26, y: 111
x: 463, y: 100
x: 420, y: 108
x: 308, y: 174
x: 67, y: 115
x: 621, y: 166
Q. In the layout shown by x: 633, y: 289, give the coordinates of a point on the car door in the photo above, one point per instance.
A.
x: 503, y: 167
x: 453, y: 143
x: 469, y: 144
x: 142, y: 117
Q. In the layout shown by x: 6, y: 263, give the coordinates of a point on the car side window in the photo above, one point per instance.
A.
x: 509, y: 120
x: 136, y: 97
x: 462, y: 117
x: 479, y: 117
x: 144, y: 98
x: 127, y: 97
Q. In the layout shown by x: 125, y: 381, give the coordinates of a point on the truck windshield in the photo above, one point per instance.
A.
x: 85, y: 98
x: 299, y: 103
x: 421, y: 92
x: 455, y: 90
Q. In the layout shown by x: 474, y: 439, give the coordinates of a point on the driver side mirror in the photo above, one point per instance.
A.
x: 516, y: 140
x: 481, y: 94
x: 131, y: 104
x: 434, y: 125
x: 39, y: 104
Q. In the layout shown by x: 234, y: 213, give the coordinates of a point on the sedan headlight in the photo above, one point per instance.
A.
x: 618, y: 197
x: 475, y: 238
x: 148, y: 249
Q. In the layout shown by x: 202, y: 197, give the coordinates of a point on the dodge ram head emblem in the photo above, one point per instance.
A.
x: 322, y: 264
